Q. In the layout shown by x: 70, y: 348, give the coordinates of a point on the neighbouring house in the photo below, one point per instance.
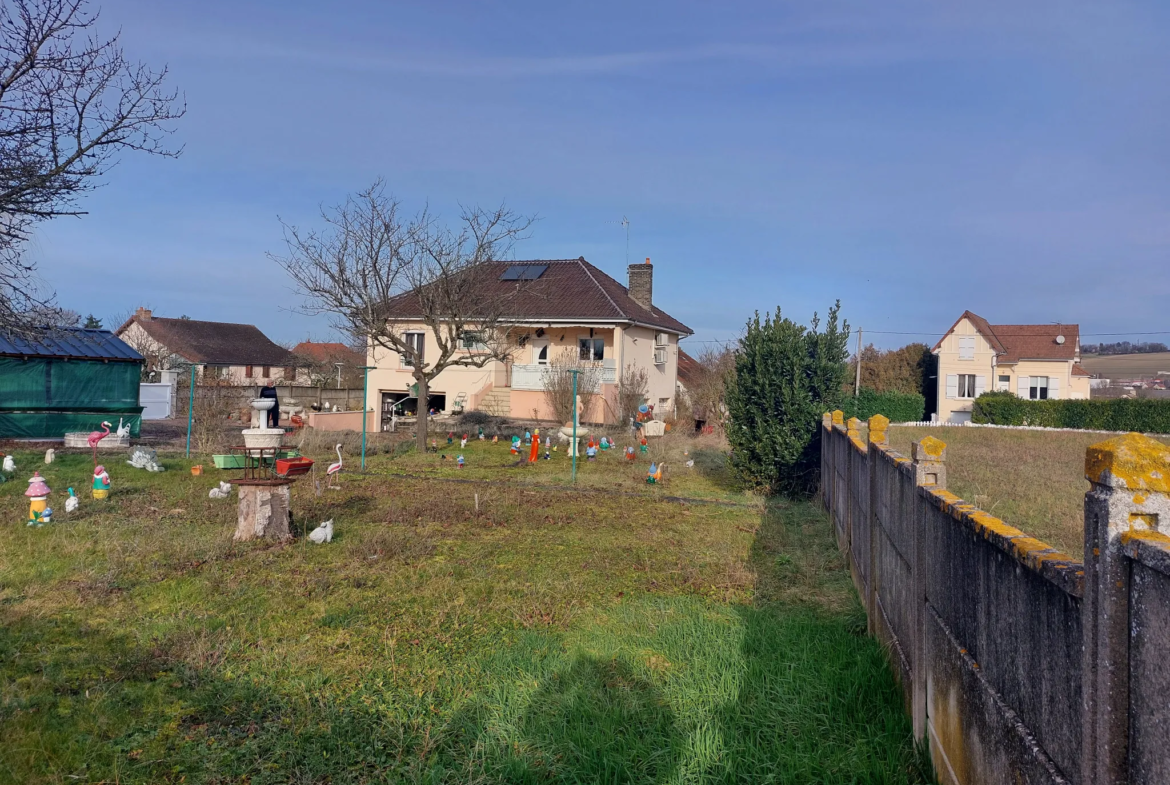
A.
x: 329, y: 364
x: 1037, y: 361
x: 574, y: 309
x: 237, y: 354
x: 67, y: 380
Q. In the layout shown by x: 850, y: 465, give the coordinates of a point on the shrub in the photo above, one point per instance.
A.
x: 786, y: 376
x: 899, y: 407
x: 1144, y: 415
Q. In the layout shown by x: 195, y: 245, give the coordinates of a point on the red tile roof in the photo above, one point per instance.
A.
x: 1079, y: 371
x: 329, y: 353
x: 1015, y: 342
x: 688, y: 368
x: 213, y: 343
x: 569, y: 289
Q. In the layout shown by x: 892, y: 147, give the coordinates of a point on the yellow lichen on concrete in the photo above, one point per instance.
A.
x: 853, y: 424
x: 933, y: 447
x: 1153, y: 538
x: 1137, y: 462
x: 838, y: 417
x: 879, y: 423
x: 987, y: 524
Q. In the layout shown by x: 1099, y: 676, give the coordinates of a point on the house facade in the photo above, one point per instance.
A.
x: 235, y: 354
x: 570, y: 310
x: 1036, y: 361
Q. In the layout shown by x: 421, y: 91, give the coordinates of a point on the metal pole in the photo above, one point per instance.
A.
x: 190, y: 409
x: 365, y: 414
x: 574, y: 443
x: 857, y: 382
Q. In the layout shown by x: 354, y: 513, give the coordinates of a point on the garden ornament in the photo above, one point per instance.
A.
x: 38, y: 500
x: 101, y: 483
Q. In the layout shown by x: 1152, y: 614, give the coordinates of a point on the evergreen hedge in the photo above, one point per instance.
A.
x: 1144, y: 415
x: 897, y: 406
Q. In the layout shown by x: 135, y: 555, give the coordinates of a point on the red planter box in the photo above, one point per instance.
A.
x: 293, y: 467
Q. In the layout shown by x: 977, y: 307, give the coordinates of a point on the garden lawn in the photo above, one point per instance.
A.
x: 552, y: 635
x: 1033, y: 480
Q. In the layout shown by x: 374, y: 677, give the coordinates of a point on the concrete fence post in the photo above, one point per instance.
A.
x: 877, y: 439
x: 930, y: 471
x: 852, y: 432
x: 1129, y: 493
x: 827, y: 460
x: 840, y: 468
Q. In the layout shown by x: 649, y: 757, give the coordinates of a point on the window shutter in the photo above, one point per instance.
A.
x: 1023, y: 386
x: 1053, y: 387
x: 980, y: 385
x: 952, y: 385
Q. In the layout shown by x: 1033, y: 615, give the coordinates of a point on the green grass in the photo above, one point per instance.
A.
x: 1033, y: 480
x: 549, y: 636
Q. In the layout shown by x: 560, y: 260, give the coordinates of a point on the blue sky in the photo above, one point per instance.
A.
x: 912, y: 159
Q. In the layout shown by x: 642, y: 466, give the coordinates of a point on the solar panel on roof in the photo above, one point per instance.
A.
x: 523, y: 272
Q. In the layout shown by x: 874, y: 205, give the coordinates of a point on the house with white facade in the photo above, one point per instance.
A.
x: 566, y: 308
x: 1036, y: 361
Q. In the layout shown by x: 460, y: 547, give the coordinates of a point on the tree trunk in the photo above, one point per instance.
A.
x: 423, y: 394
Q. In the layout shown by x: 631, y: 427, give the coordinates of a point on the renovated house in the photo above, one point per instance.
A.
x: 1037, y: 361
x: 567, y: 308
x: 236, y: 354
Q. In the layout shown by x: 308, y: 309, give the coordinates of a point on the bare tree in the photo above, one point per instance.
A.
x: 706, y: 390
x: 557, y: 378
x: 377, y: 274
x: 70, y: 102
x: 633, y: 385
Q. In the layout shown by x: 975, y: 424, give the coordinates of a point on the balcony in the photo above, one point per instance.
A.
x: 531, y: 377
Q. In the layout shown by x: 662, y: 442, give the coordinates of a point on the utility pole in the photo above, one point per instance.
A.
x: 857, y: 381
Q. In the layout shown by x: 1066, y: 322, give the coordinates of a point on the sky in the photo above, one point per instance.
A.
x: 911, y: 159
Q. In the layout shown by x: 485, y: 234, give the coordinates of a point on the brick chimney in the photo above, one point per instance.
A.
x: 142, y: 315
x: 642, y: 283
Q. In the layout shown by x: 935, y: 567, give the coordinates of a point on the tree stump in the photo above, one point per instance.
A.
x: 263, y: 510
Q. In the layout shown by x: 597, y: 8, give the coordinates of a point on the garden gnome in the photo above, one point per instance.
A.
x: 38, y: 500
x: 496, y: 439
x: 527, y: 437
x: 629, y: 453
x: 644, y: 446
x: 652, y: 474
x: 481, y: 434
x: 450, y: 437
x: 463, y: 442
x: 590, y: 452
x: 515, y: 445
x: 101, y: 483
x: 604, y: 442
x: 459, y: 461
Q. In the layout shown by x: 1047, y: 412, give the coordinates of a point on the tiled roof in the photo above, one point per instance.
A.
x: 329, y: 353
x: 1015, y: 342
x: 1037, y: 341
x: 688, y: 368
x: 569, y: 289
x: 70, y: 342
x: 214, y: 343
x: 1079, y: 371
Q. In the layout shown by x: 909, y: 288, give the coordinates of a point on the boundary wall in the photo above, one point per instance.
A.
x: 1017, y: 663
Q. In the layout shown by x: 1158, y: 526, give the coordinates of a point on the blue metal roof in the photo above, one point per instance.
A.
x: 70, y: 342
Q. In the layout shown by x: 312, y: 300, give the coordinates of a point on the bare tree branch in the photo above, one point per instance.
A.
x: 69, y: 104
x: 377, y: 273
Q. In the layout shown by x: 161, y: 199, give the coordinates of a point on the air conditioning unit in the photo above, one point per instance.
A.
x: 660, y: 356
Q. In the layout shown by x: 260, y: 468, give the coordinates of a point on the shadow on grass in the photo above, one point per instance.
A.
x: 714, y: 466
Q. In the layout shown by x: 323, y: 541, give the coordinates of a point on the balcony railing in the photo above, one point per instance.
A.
x: 531, y: 377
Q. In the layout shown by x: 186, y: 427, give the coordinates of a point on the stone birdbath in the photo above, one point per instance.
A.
x: 263, y: 511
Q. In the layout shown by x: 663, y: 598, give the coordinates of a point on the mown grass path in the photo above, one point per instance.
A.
x: 549, y: 636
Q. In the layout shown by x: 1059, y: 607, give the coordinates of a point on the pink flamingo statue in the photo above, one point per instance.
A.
x: 334, y: 469
x: 95, y: 437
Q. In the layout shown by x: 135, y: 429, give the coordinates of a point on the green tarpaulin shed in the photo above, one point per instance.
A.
x: 67, y: 379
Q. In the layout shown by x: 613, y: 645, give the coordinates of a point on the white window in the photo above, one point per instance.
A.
x: 1038, y: 388
x: 540, y: 352
x: 966, y: 347
x: 415, y: 341
x: 965, y: 385
x: 591, y: 349
x: 473, y: 341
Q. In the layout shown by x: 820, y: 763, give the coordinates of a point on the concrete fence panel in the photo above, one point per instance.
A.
x: 1018, y: 663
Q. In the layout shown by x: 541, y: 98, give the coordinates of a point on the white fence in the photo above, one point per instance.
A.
x: 156, y: 400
